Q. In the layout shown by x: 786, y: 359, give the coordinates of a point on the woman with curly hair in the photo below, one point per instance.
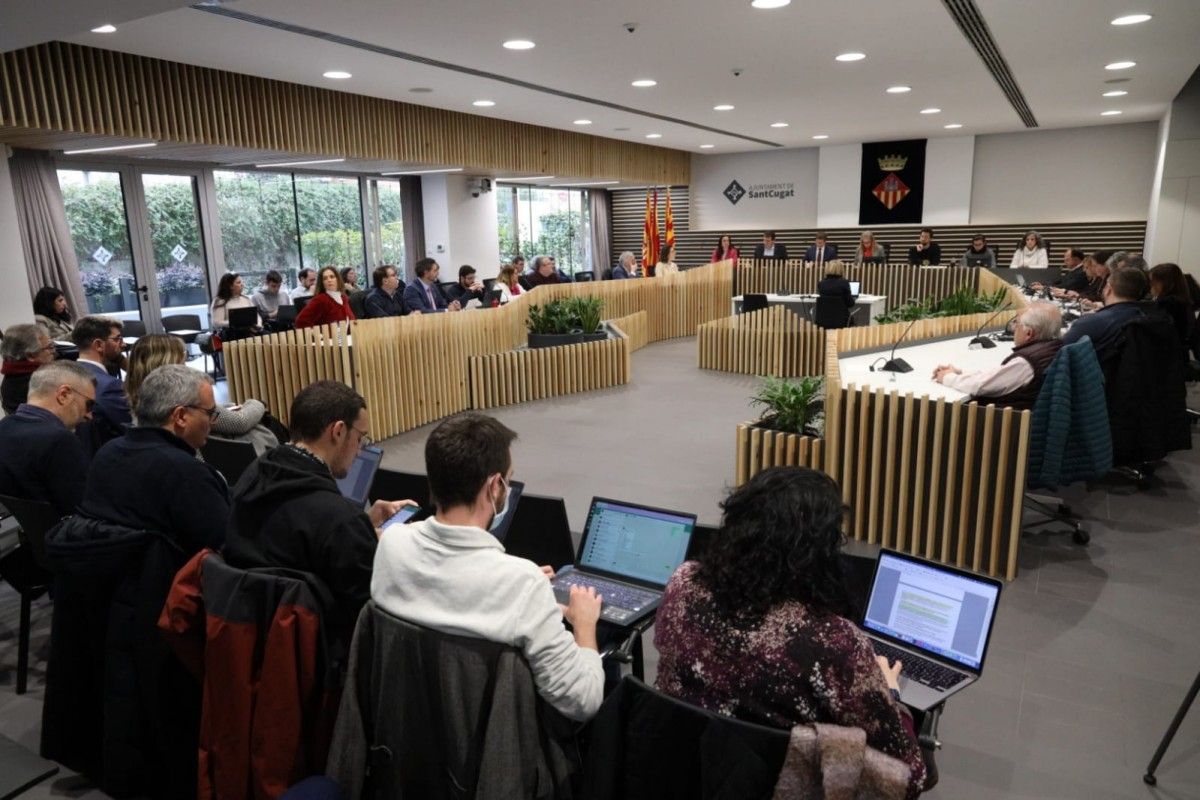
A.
x: 754, y: 629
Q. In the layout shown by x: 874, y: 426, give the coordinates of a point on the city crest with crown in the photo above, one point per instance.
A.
x: 891, y: 190
x: 892, y: 163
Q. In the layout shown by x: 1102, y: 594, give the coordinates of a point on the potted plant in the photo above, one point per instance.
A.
x: 182, y: 285
x: 100, y: 286
x: 792, y: 406
x: 566, y: 321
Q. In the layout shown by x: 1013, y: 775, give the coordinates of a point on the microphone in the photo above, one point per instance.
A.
x: 898, y: 364
x: 981, y: 340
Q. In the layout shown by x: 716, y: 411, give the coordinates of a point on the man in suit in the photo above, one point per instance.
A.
x: 100, y: 350
x: 424, y: 295
x: 43, y: 460
x: 819, y: 252
x: 926, y: 251
x: 768, y: 248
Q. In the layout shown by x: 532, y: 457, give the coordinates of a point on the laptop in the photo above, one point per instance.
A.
x: 501, y: 526
x: 627, y: 553
x: 855, y: 287
x: 286, y: 315
x: 243, y: 317
x: 977, y: 259
x: 935, y: 619
x: 356, y: 486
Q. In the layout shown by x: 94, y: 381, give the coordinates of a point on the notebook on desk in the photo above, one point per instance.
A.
x: 936, y: 620
x: 627, y: 554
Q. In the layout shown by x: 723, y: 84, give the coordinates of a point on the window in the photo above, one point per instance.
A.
x: 173, y: 218
x: 329, y: 210
x: 386, y: 217
x: 257, y: 211
x: 552, y: 222
x: 95, y: 206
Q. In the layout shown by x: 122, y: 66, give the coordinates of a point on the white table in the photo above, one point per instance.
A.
x: 923, y: 357
x: 866, y: 306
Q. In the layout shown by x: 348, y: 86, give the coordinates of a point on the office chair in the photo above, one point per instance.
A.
x: 132, y: 330
x: 753, y: 302
x: 27, y: 569
x: 830, y: 312
x: 585, y: 277
x: 229, y: 457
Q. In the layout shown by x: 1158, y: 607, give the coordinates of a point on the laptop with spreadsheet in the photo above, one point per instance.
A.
x: 935, y: 619
x: 356, y: 486
x: 627, y: 554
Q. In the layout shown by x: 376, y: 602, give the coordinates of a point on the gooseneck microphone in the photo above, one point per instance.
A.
x: 898, y: 364
x: 983, y: 341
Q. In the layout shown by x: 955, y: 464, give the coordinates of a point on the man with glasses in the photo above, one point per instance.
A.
x: 289, y: 513
x: 101, y: 350
x: 42, y: 459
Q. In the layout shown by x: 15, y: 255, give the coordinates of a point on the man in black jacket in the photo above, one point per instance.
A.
x: 468, y: 287
x: 769, y: 249
x: 288, y: 511
x: 43, y: 459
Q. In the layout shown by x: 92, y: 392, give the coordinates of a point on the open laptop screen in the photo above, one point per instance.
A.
x: 356, y: 486
x: 854, y: 287
x: 941, y: 611
x: 634, y: 541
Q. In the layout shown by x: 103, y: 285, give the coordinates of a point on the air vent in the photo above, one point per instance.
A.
x: 971, y: 23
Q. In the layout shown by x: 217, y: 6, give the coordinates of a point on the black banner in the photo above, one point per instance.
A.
x: 893, y: 182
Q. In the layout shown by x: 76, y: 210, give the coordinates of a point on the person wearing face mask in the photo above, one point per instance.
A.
x: 288, y: 512
x: 450, y: 574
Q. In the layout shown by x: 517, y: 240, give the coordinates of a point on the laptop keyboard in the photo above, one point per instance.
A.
x: 620, y: 601
x: 922, y: 670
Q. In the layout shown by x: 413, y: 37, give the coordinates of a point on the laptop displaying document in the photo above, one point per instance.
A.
x: 627, y: 554
x: 935, y: 619
x: 356, y: 486
x: 855, y: 286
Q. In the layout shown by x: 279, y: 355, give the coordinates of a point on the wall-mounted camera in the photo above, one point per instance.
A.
x: 479, y: 186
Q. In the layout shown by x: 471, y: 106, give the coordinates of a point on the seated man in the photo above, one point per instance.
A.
x: 543, y: 272
x: 979, y: 254
x: 269, y: 296
x: 305, y: 279
x: 43, y: 460
x: 450, y: 574
x: 626, y: 267
x: 24, y: 348
x: 424, y: 295
x: 384, y: 299
x: 926, y: 251
x: 1017, y: 381
x: 819, y: 252
x: 468, y: 287
x: 288, y: 511
x: 1122, y: 294
x: 101, y: 349
x: 768, y: 248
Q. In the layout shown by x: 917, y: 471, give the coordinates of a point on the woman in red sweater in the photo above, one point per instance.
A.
x: 328, y: 305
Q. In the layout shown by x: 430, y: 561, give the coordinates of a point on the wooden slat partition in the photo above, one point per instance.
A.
x: 759, y: 449
x: 773, y: 341
x: 635, y: 328
x: 521, y: 376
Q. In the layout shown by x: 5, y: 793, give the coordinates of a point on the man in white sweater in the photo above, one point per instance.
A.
x: 450, y: 574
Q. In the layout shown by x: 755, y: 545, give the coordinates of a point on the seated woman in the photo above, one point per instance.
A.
x: 24, y: 349
x: 329, y: 303
x: 243, y: 423
x: 869, y: 249
x: 754, y: 628
x: 666, y: 261
x: 51, y: 312
x: 725, y: 250
x: 507, y: 283
x: 835, y: 284
x: 229, y: 297
x: 1170, y: 294
x: 1033, y: 255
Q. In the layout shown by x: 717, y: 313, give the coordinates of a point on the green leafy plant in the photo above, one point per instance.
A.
x: 566, y: 314
x: 792, y: 406
x: 587, y: 311
x: 963, y: 300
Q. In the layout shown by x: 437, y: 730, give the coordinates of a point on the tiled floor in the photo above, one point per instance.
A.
x: 1094, y: 646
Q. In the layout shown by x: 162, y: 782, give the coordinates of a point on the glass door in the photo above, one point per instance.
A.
x: 174, y: 244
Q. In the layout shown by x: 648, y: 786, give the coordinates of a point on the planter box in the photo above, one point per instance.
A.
x: 762, y: 448
x: 105, y: 303
x: 537, y: 340
x: 194, y: 296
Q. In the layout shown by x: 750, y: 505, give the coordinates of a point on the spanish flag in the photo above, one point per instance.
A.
x: 649, y: 256
x: 670, y: 223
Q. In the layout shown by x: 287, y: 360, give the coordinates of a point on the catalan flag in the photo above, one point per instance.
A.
x: 670, y: 223
x: 649, y: 234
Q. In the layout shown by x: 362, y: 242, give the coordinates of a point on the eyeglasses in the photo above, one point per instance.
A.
x: 88, y: 402
x: 364, y: 440
x: 211, y: 412
x: 117, y: 338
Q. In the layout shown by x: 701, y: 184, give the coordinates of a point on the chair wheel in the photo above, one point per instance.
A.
x: 1149, y: 779
x: 1081, y: 536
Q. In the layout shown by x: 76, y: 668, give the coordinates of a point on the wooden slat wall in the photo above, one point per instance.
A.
x: 72, y: 88
x: 521, y: 376
x: 635, y: 328
x: 773, y: 341
x: 696, y: 246
x: 759, y: 449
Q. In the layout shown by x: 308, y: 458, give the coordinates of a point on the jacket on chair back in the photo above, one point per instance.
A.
x: 1147, y: 398
x: 1069, y: 436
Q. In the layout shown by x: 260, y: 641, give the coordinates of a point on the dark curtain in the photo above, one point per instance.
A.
x: 412, y: 209
x: 600, y: 208
x: 45, y: 235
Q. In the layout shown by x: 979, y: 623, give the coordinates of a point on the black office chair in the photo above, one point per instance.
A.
x: 585, y: 277
x: 185, y: 326
x: 753, y: 302
x: 27, y: 569
x: 540, y: 532
x: 524, y: 281
x: 229, y: 457
x: 830, y: 312
x: 132, y: 330
x: 391, y: 484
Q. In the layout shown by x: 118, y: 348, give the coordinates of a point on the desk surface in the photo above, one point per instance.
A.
x: 862, y: 299
x: 924, y: 357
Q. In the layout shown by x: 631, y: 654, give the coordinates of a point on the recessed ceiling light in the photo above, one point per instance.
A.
x: 953, y: 125
x: 529, y: 179
x: 1110, y: 113
x: 1121, y: 65
x: 620, y: 129
x: 519, y: 44
x: 1132, y: 19
x: 931, y: 111
x: 899, y: 89
x: 1116, y: 93
x: 301, y: 163
x: 424, y: 171
x: 821, y: 136
x: 583, y: 122
x: 766, y: 4
x: 484, y: 103
x: 1118, y: 80
x: 105, y: 29
x: 851, y: 57
x: 707, y: 146
x: 723, y: 107
x: 653, y: 135
x: 644, y: 83
x: 587, y: 183
x: 779, y: 124
x: 109, y: 149
x: 337, y: 74
x: 420, y: 90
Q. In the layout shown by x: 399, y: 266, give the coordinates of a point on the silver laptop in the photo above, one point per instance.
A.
x: 627, y: 553
x: 935, y: 619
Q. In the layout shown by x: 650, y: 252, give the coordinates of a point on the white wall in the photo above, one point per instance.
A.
x: 460, y: 228
x: 16, y: 299
x: 948, y: 169
x: 1071, y: 175
x: 1173, y: 232
x: 838, y: 183
x: 778, y: 171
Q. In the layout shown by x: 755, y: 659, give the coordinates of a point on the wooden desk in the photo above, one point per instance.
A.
x: 866, y: 306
